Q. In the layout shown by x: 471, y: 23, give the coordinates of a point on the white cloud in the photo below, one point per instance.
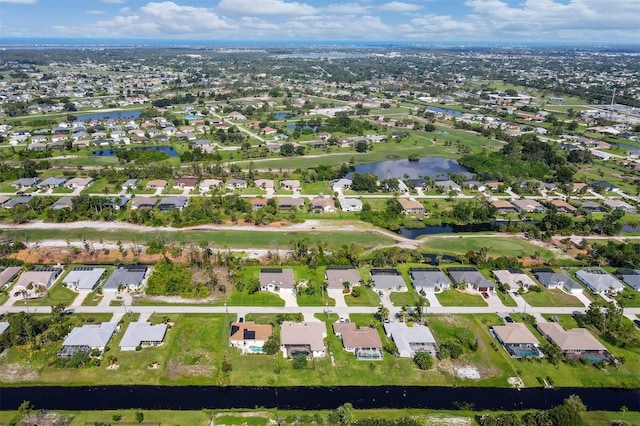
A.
x: 347, y: 8
x: 154, y: 20
x: 94, y: 12
x: 19, y: 1
x: 266, y: 7
x: 400, y: 7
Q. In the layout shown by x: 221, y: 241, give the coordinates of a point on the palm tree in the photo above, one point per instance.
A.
x: 382, y: 313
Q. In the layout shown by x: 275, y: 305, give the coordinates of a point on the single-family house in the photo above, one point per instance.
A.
x: 517, y: 340
x: 470, y: 276
x: 286, y: 203
x: 562, y: 206
x: 31, y: 283
x: 305, y: 338
x: 429, y: 279
x: 235, y: 183
x: 22, y: 199
x: 551, y: 279
x: 599, y: 281
x: 52, y: 182
x: 157, y: 184
x: 630, y: 277
x: 529, y: 206
x: 84, y: 278
x: 4, y: 326
x: 322, y: 205
x: 65, y: 202
x: 249, y: 337
x: 7, y: 275
x: 143, y: 203
x: 388, y: 279
x: 130, y: 184
x: 513, y: 278
x: 25, y: 183
x: 364, y: 342
x: 142, y: 333
x: 591, y: 206
x: 173, y: 203
x: 264, y: 183
x: 290, y: 184
x: 576, y: 343
x: 258, y: 203
x: 276, y: 278
x: 411, y: 340
x: 341, y: 184
x: 78, y: 182
x: 87, y: 338
x: 614, y: 203
x: 448, y: 185
x: 126, y: 276
x: 207, y: 184
x: 411, y: 206
x: 339, y: 276
x: 350, y: 204
x: 185, y: 183
x: 504, y: 206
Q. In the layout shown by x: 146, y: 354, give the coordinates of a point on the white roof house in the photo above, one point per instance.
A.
x: 599, y: 281
x: 142, y: 333
x: 83, y: 278
x: 410, y: 340
x: 350, y: 204
x: 513, y: 278
x: 87, y: 337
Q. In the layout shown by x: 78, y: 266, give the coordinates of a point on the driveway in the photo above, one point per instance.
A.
x: 289, y: 298
x: 583, y: 299
x: 338, y: 295
x: 80, y: 298
x: 433, y: 300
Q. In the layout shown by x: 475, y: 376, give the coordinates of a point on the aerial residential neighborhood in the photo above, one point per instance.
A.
x: 382, y: 218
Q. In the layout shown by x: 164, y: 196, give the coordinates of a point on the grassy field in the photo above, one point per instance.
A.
x: 551, y: 297
x: 367, y: 297
x: 57, y: 294
x: 458, y: 298
x: 498, y: 246
x: 402, y: 298
x: 241, y: 239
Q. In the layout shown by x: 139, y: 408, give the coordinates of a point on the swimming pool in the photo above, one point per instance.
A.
x: 255, y: 349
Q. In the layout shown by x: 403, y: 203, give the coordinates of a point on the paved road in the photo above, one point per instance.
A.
x: 307, y: 310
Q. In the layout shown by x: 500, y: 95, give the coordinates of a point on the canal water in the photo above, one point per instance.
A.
x: 434, y: 167
x: 309, y: 398
x: 108, y: 152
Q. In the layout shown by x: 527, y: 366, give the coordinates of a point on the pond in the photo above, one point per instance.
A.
x: 306, y: 126
x: 446, y: 228
x: 444, y: 111
x: 109, y: 152
x: 427, y: 166
x: 282, y: 115
x: 110, y: 115
x: 309, y: 398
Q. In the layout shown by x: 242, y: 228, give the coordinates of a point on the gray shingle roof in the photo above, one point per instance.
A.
x: 142, y: 332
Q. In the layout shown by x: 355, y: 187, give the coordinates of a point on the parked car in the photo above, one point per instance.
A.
x: 516, y: 294
x: 637, y: 323
x: 485, y: 294
x: 508, y: 319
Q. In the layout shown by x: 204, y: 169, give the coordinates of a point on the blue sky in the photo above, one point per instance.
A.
x: 584, y: 21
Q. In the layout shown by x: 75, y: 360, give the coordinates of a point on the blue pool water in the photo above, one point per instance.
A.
x: 191, y: 117
x: 255, y: 349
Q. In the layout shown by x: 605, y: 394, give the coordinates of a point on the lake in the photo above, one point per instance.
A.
x: 444, y: 111
x: 427, y: 166
x: 306, y: 126
x: 110, y: 115
x: 109, y: 152
x: 308, y: 398
x: 282, y: 115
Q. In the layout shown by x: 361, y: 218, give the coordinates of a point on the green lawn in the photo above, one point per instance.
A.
x: 56, y: 295
x: 551, y: 297
x: 629, y: 298
x: 367, y: 297
x: 216, y: 239
x: 497, y: 245
x: 506, y: 298
x: 455, y: 297
x: 93, y: 298
x: 260, y: 298
x: 315, y: 300
x: 402, y: 298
